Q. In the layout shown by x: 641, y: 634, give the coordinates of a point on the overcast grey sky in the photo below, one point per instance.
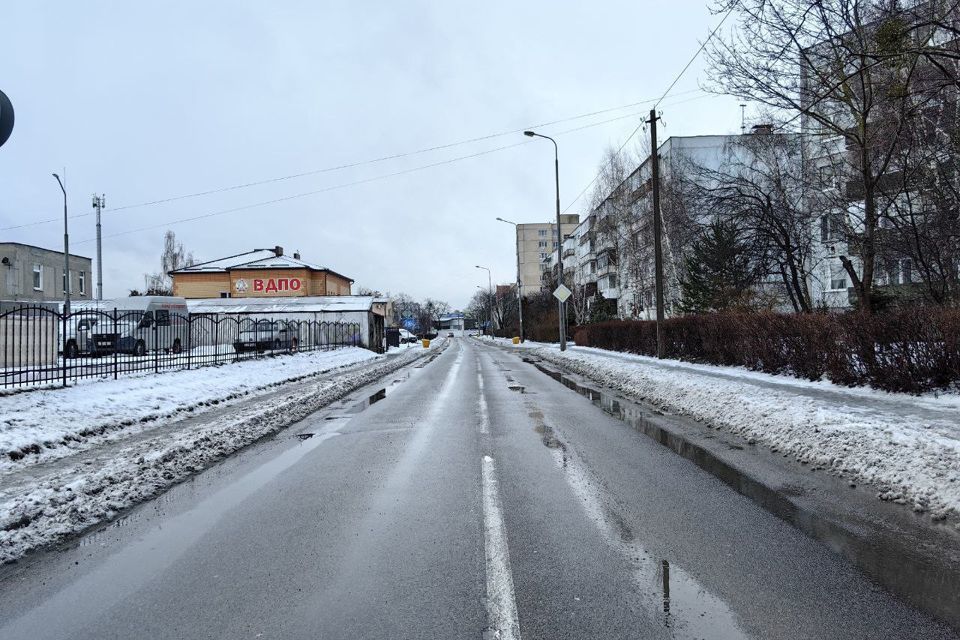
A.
x: 146, y: 103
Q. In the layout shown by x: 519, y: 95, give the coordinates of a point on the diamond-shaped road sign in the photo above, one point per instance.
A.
x: 562, y: 293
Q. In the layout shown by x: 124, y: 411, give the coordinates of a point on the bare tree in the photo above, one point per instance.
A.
x: 856, y: 72
x: 760, y: 188
x: 617, y: 230
x: 921, y: 233
x: 174, y: 257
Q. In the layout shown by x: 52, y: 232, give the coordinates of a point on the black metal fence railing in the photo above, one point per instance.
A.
x: 40, y: 346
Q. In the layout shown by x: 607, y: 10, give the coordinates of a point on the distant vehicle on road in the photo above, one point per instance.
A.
x: 450, y: 334
x: 267, y: 335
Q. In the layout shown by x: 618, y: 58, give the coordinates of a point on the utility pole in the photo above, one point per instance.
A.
x: 99, y: 202
x: 657, y: 229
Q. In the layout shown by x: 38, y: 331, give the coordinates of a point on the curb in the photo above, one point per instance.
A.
x: 913, y: 559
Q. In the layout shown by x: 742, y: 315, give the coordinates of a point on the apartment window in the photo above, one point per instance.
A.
x: 544, y: 267
x: 37, y: 277
x: 838, y: 278
x: 83, y: 282
x: 542, y: 244
x: 906, y: 271
x: 900, y: 272
x: 612, y: 281
x: 543, y: 256
x: 542, y: 233
x: 831, y: 226
x: 554, y: 244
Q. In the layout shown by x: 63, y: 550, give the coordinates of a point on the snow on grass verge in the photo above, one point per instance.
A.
x: 77, y: 496
x: 907, y: 447
x: 46, y: 424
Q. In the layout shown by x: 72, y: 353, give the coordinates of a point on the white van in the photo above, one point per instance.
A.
x: 144, y: 324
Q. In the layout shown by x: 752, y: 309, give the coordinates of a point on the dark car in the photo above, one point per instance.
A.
x: 266, y: 335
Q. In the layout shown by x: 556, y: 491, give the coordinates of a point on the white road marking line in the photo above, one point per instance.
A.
x: 501, y: 603
x: 484, y: 414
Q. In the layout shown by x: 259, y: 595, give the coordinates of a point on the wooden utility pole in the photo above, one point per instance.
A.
x: 657, y: 229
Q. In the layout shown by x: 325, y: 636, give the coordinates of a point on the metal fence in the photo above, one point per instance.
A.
x: 40, y: 346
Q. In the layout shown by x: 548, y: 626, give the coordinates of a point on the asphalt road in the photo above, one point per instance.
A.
x: 476, y: 498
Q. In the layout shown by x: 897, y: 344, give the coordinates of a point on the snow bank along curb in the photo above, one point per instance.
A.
x: 81, y: 496
x: 910, y: 453
x: 911, y: 557
x: 46, y: 424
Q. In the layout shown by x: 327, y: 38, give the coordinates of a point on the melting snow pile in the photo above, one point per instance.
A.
x: 85, y: 453
x: 906, y: 446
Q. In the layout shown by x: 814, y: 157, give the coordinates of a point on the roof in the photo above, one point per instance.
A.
x: 304, y: 304
x: 33, y: 246
x: 266, y: 259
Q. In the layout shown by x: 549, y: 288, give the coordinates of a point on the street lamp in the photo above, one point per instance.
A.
x: 519, y: 284
x: 66, y: 259
x: 556, y: 175
x: 490, y: 294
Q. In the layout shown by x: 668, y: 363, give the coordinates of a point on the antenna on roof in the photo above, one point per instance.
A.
x: 296, y: 255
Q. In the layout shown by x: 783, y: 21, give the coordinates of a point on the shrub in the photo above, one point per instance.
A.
x: 908, y: 351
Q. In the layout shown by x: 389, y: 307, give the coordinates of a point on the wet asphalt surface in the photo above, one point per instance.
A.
x: 474, y: 498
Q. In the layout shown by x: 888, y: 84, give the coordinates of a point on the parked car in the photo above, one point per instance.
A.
x: 79, y: 336
x: 145, y: 324
x: 264, y: 335
x: 407, y: 337
x: 449, y: 334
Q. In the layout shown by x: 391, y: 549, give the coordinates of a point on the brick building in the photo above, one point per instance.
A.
x: 264, y: 273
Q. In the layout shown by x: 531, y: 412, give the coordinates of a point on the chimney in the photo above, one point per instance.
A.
x: 278, y: 251
x: 296, y: 255
x: 761, y: 128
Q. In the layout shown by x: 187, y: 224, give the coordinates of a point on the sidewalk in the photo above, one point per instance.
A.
x: 906, y: 447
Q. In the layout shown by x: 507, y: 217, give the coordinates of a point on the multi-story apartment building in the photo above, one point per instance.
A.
x: 612, y: 249
x: 29, y: 273
x: 879, y: 152
x: 535, y: 242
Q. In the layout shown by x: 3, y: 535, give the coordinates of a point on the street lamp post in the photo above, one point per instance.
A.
x: 490, y: 296
x: 519, y: 284
x: 66, y: 256
x: 556, y: 175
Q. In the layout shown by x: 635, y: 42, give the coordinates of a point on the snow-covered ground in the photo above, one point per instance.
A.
x: 103, y: 446
x: 908, y: 447
x: 44, y: 424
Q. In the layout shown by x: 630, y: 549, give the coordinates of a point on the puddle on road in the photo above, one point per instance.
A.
x: 372, y: 399
x: 670, y: 595
x: 516, y: 387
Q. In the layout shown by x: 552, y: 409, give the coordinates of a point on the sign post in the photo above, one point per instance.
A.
x: 562, y: 293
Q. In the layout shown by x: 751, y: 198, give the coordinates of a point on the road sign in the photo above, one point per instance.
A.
x: 562, y: 293
x: 6, y: 117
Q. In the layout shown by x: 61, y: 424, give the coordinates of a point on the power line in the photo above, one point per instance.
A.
x: 617, y: 153
x: 697, y: 54
x: 353, y: 183
x: 669, y: 88
x: 395, y: 156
